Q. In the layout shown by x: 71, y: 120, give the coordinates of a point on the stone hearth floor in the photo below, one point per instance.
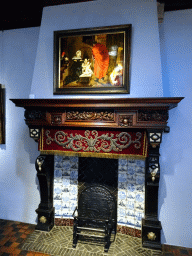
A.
x: 18, y: 238
x: 59, y: 242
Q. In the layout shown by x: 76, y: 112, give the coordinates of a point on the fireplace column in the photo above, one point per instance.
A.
x: 151, y: 226
x: 45, y: 173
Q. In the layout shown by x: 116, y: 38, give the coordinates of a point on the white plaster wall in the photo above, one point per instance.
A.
x: 19, y: 196
x: 175, y: 204
x: 145, y: 71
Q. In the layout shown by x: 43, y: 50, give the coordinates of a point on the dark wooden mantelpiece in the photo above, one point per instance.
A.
x: 149, y: 114
x: 111, y: 113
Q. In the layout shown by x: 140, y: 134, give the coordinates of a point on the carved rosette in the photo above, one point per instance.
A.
x: 125, y: 120
x: 90, y: 116
x: 155, y: 138
x: 34, y: 133
x: 56, y: 119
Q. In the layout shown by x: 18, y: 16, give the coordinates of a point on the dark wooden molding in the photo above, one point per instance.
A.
x: 119, y: 103
x: 109, y: 113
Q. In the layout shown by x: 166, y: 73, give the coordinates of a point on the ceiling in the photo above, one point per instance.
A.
x: 22, y: 14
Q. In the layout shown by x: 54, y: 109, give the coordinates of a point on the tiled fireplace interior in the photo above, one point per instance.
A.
x: 131, y: 190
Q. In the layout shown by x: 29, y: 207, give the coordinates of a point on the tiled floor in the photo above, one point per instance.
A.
x: 59, y: 242
x: 18, y: 238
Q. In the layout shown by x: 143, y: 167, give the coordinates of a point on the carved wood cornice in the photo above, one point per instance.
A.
x: 107, y: 113
x: 117, y: 103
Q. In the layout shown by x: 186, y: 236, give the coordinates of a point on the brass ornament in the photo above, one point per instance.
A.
x: 153, y: 176
x: 151, y: 236
x: 40, y: 161
x: 43, y: 219
x: 154, y: 145
x: 125, y: 120
x: 153, y: 168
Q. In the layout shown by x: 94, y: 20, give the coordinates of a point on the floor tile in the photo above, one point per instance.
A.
x: 15, y: 237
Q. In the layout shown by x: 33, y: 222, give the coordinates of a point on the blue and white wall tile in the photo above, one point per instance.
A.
x: 131, y: 190
x: 65, y: 186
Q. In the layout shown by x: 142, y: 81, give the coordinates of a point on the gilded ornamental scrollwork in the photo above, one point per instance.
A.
x: 92, y: 142
x: 90, y: 115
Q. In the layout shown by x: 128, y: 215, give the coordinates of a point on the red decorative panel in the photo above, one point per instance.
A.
x: 94, y: 143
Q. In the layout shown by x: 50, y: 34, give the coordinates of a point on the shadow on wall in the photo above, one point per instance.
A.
x: 30, y: 146
x: 174, y: 163
x: 162, y: 196
x: 172, y: 143
x: 3, y: 147
x: 26, y: 172
x: 3, y: 207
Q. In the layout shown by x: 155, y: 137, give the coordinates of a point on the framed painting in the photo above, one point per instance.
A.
x: 2, y: 115
x: 94, y: 60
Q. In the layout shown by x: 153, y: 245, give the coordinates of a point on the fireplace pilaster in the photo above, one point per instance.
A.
x: 151, y: 226
x: 45, y: 173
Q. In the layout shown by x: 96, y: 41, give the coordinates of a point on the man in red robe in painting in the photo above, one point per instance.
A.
x: 101, y: 56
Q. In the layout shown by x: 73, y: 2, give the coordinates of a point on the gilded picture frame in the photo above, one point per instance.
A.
x: 92, y: 60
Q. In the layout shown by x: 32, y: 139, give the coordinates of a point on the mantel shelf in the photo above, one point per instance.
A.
x: 112, y: 113
x: 123, y: 103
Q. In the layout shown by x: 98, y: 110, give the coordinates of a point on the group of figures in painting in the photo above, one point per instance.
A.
x: 92, y: 61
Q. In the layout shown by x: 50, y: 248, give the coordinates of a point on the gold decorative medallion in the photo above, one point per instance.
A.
x: 151, y: 236
x: 43, y: 219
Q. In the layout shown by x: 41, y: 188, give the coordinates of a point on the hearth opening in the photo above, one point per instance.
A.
x: 124, y: 179
x: 95, y: 217
x: 101, y: 174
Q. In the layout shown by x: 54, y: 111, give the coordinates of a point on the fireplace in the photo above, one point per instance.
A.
x: 98, y: 177
x: 113, y: 129
x: 125, y: 178
x: 95, y: 217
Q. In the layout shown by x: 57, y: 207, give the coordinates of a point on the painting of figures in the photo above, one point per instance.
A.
x: 92, y: 60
